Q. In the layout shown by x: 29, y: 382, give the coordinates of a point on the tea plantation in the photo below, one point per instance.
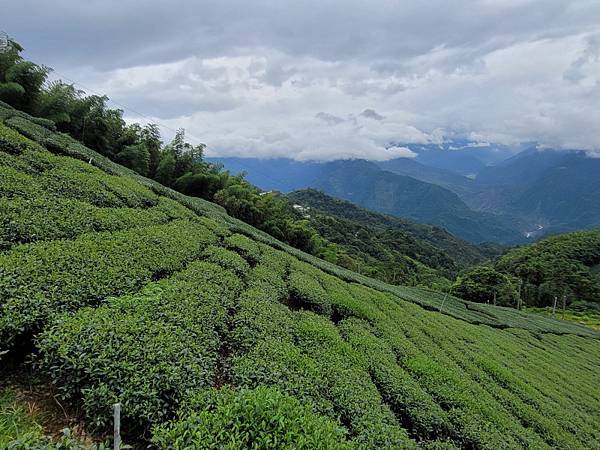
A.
x: 212, y: 334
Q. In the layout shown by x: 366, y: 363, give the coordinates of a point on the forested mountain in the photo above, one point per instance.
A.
x: 559, y: 190
x: 412, y: 168
x: 461, y: 156
x: 393, y: 250
x: 563, y: 267
x: 213, y: 334
x: 463, y: 253
x: 566, y: 196
x: 532, y: 193
x: 365, y: 184
x: 520, y: 169
x: 279, y: 174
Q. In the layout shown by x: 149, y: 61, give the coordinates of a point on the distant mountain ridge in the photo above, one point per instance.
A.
x: 558, y: 189
x: 366, y: 184
x: 534, y: 192
x: 411, y: 167
x: 429, y: 237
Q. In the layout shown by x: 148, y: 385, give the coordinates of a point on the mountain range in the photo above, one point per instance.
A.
x: 510, y: 201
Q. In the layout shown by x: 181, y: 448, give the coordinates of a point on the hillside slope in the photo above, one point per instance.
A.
x: 211, y: 333
x: 365, y: 184
x: 394, y: 250
x: 445, y: 178
x: 563, y: 265
x: 556, y: 189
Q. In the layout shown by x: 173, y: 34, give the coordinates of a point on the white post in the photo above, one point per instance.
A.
x: 554, y: 307
x: 117, y: 424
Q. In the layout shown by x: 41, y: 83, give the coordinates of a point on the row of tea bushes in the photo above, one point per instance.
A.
x: 261, y: 418
x: 42, y: 278
x: 148, y: 351
x: 44, y: 219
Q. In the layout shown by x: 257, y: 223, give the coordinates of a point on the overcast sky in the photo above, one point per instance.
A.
x: 331, y: 78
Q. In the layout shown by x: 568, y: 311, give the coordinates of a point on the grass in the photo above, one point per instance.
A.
x: 587, y: 319
x: 18, y: 420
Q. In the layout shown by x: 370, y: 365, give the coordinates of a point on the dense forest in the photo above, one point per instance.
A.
x: 561, y: 268
x: 391, y: 249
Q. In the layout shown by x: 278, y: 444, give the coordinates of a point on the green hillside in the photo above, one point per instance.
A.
x: 394, y: 250
x: 556, y: 266
x: 212, y: 334
x: 365, y: 184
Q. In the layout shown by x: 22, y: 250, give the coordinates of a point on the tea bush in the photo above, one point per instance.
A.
x: 46, y: 277
x: 148, y: 350
x: 262, y: 418
x: 43, y: 218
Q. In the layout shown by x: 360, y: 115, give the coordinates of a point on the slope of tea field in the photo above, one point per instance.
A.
x: 213, y: 335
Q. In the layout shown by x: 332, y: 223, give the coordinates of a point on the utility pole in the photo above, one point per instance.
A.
x: 519, y: 295
x: 554, y: 307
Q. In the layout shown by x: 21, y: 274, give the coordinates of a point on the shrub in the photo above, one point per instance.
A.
x: 245, y: 246
x: 48, y: 277
x: 262, y: 418
x: 481, y: 283
x: 42, y: 218
x: 164, y: 345
x: 307, y: 293
x: 227, y: 259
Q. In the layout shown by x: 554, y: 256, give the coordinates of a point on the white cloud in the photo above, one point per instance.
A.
x: 324, y: 80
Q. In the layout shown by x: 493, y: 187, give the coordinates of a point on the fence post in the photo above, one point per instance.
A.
x: 442, y: 305
x: 117, y: 425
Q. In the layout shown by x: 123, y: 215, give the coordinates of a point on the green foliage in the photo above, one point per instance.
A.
x: 586, y: 316
x: 484, y: 284
x: 20, y: 81
x: 261, y: 418
x: 136, y: 157
x: 556, y: 266
x: 388, y: 248
x: 45, y: 218
x: 164, y: 345
x: 16, y: 425
x: 46, y: 277
x: 226, y: 259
